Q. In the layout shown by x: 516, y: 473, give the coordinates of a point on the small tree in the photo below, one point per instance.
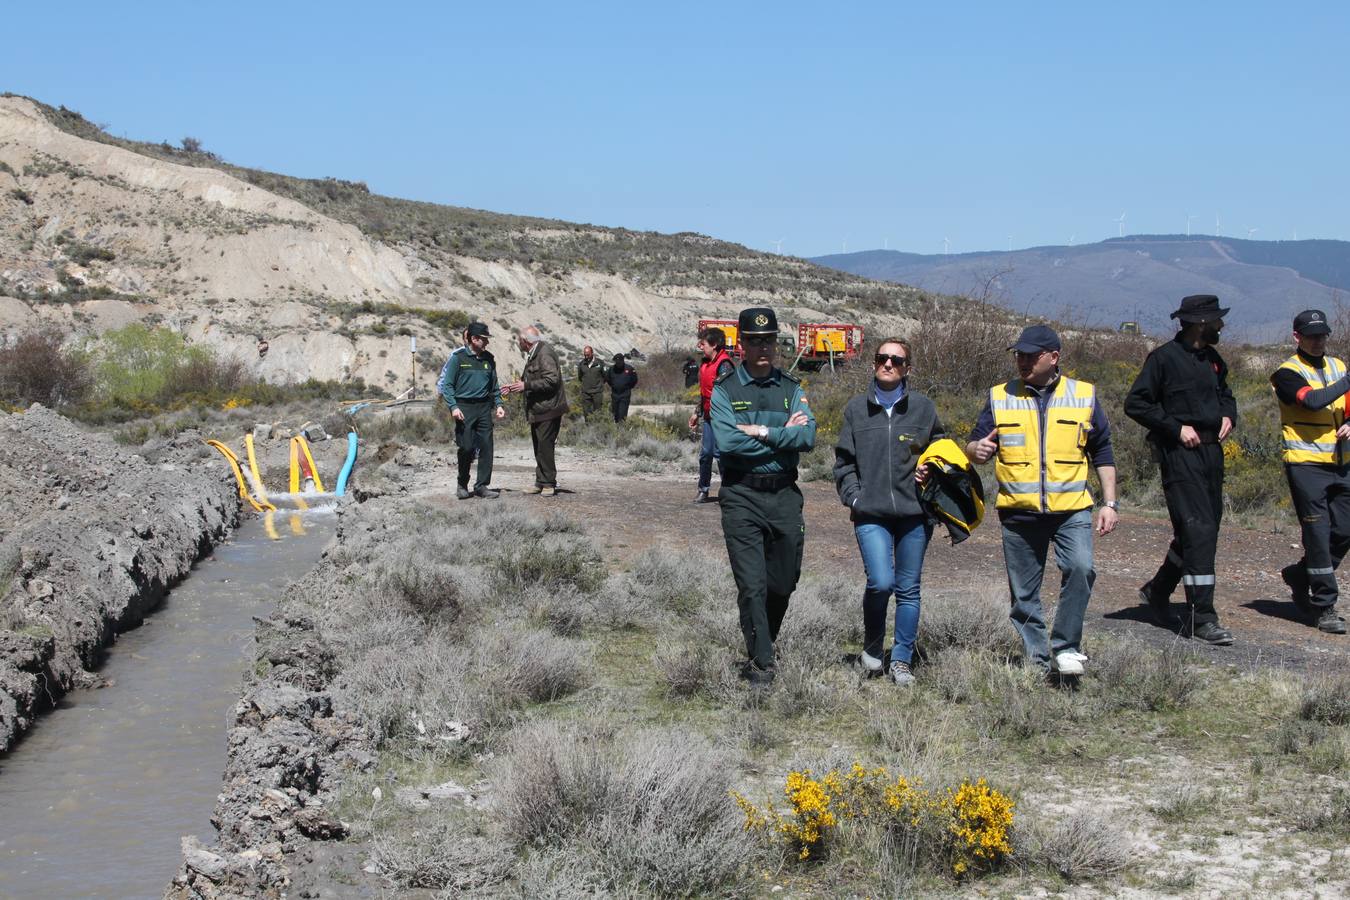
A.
x: 35, y: 369
x: 192, y: 145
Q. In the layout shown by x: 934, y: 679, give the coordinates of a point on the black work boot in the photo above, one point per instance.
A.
x: 1212, y: 633
x: 1295, y: 578
x: 1159, y: 610
x: 486, y: 492
x: 463, y: 492
x: 1330, y: 621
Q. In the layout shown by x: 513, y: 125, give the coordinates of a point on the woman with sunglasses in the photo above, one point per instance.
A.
x: 885, y: 430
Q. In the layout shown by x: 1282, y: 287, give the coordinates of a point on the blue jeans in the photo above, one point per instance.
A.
x: 707, y: 452
x: 892, y: 553
x: 1025, y: 547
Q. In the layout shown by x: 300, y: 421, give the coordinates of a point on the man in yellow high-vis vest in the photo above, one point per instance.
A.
x: 1311, y: 388
x: 1046, y: 429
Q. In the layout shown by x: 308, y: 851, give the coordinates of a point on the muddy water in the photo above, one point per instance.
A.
x: 94, y: 800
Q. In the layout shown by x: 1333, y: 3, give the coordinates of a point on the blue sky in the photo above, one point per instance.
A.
x: 857, y: 124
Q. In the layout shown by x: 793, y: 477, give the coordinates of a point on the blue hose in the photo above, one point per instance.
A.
x: 348, y: 465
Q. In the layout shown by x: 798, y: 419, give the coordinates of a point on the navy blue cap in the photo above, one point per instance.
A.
x: 477, y: 329
x: 1035, y: 338
x: 1311, y: 322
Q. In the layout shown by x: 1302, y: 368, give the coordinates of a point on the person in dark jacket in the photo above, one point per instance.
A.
x: 690, y: 370
x: 1313, y: 390
x: 468, y: 385
x: 1182, y: 397
x: 541, y: 382
x: 712, y: 343
x: 875, y: 472
x: 591, y: 376
x: 621, y: 378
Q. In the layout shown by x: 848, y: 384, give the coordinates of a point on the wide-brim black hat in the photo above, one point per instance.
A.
x: 1200, y: 308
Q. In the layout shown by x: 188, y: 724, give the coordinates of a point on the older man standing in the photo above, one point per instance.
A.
x: 541, y: 382
x: 1046, y: 429
x: 591, y: 376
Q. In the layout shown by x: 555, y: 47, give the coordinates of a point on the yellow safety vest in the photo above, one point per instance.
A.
x: 1310, y: 434
x: 1042, y: 471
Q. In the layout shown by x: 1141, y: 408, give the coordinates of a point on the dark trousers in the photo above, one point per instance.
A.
x: 765, y: 536
x: 1321, y: 496
x: 707, y: 452
x: 544, y: 436
x: 590, y: 403
x: 1192, y: 483
x: 618, y: 403
x: 474, y: 435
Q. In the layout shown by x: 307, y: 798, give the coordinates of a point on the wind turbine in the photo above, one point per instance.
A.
x: 1010, y: 243
x: 777, y: 246
x: 1071, y: 237
x: 845, y: 243
x: 1189, y: 217
x: 1217, y: 232
x: 1251, y: 231
x: 1120, y: 226
x: 946, y: 246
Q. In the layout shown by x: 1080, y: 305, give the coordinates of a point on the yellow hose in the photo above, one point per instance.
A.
x: 257, y: 476
x: 238, y: 473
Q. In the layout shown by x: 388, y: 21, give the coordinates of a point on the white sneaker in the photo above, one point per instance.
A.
x: 1069, y: 663
x: 870, y: 663
x: 901, y: 674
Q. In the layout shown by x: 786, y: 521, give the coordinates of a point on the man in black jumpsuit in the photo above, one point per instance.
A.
x: 1182, y: 397
x: 1314, y: 394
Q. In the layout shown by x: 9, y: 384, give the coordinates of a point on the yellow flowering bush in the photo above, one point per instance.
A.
x: 236, y: 403
x: 968, y: 827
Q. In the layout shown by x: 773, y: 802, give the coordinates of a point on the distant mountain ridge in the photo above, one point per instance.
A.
x: 1134, y: 278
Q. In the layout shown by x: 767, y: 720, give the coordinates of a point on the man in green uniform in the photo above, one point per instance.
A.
x: 761, y: 423
x: 468, y: 385
x: 591, y: 374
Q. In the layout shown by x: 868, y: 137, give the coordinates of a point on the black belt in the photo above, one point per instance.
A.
x: 1207, y: 435
x: 767, y: 481
x: 465, y: 401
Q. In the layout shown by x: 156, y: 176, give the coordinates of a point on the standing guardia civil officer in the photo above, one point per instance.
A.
x: 591, y: 375
x: 1046, y: 429
x: 468, y: 385
x: 1311, y: 388
x: 761, y: 423
x: 1182, y: 397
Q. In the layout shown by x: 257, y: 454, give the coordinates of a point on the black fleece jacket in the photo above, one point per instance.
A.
x: 875, y: 458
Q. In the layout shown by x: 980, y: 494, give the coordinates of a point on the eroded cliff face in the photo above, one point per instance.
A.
x: 94, y: 236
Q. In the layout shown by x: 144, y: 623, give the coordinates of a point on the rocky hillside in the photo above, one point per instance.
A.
x: 97, y: 232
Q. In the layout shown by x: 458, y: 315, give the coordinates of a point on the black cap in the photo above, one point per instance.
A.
x: 1311, y: 322
x: 618, y: 358
x: 757, y: 320
x: 1035, y: 338
x: 1200, y: 308
x: 477, y: 329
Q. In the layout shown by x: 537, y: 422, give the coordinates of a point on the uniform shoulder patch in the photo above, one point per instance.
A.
x: 725, y: 375
x: 790, y: 377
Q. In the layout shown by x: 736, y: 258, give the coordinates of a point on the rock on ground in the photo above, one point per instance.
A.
x: 92, y: 536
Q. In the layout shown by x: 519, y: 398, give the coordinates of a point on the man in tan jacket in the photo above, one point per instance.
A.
x: 541, y: 382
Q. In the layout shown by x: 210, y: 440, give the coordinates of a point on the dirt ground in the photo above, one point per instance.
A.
x: 631, y: 510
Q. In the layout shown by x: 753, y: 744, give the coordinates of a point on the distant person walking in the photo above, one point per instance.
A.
x: 1311, y: 388
x: 885, y: 430
x: 690, y: 370
x: 1045, y: 430
x: 591, y: 376
x: 712, y: 343
x: 541, y: 382
x: 761, y: 423
x: 1181, y: 396
x: 621, y: 378
x: 468, y: 385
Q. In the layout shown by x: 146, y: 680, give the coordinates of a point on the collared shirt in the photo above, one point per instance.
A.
x: 780, y: 449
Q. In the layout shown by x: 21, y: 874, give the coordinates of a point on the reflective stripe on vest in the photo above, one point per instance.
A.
x: 1042, y: 471
x: 1310, y: 434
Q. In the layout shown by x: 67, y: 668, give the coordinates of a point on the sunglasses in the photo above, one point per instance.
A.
x: 758, y: 340
x: 897, y: 361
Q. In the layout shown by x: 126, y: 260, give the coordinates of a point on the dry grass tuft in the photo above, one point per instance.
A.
x: 1327, y: 700
x: 975, y: 620
x: 439, y: 855
x: 1081, y: 846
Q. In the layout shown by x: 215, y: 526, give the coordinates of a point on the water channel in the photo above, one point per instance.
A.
x: 94, y: 800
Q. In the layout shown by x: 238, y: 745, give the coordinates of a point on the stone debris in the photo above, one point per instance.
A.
x: 92, y: 536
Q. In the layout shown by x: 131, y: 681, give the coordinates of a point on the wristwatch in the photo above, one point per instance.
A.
x: 763, y: 432
x: 1112, y: 504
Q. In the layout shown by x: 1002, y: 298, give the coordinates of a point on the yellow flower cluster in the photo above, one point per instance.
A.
x: 235, y: 403
x: 972, y: 822
x: 1232, y: 451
